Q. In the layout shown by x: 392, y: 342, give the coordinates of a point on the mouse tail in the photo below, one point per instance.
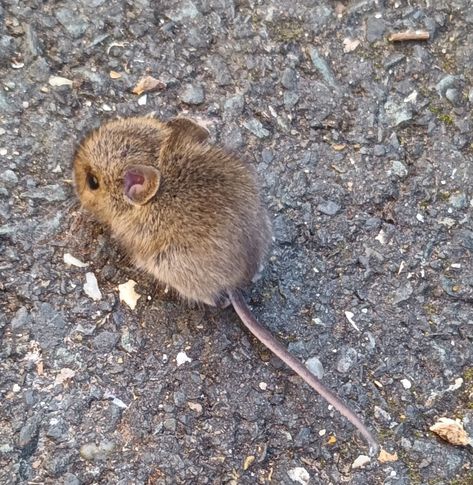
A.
x: 267, y: 338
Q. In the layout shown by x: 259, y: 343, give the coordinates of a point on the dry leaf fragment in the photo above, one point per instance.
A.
x: 59, y: 81
x: 385, y: 457
x: 116, y: 44
x: 115, y: 75
x: 409, y: 35
x: 128, y: 294
x: 332, y: 440
x: 147, y: 84
x: 451, y: 430
x: 338, y: 147
x: 248, y: 461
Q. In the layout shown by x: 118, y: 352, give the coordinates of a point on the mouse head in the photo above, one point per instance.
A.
x: 116, y: 167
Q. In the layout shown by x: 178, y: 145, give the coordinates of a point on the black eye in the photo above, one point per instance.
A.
x: 92, y: 181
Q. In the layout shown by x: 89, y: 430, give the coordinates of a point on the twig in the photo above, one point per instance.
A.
x: 409, y: 35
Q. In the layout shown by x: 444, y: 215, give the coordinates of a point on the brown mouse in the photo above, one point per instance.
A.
x: 187, y: 212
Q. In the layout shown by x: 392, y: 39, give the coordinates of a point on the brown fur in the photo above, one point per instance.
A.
x: 205, y: 232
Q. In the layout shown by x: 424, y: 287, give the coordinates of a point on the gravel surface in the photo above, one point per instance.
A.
x: 364, y: 147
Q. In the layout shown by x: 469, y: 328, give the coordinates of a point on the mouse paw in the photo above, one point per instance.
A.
x: 257, y: 276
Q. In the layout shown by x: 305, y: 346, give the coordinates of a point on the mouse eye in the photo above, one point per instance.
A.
x: 92, y: 181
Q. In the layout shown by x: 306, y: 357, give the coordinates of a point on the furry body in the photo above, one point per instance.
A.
x: 205, y: 232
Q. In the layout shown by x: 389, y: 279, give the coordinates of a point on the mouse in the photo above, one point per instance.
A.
x: 189, y: 213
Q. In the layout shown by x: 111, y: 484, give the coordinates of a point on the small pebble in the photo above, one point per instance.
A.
x: 315, y: 366
x: 348, y: 358
x: 299, y: 475
x: 193, y: 94
x: 72, y: 261
x: 403, y: 293
x: 195, y: 407
x: 256, y: 127
x: 21, y: 319
x: 458, y: 200
x: 406, y: 383
x: 321, y: 65
x: 289, y: 79
x: 328, y: 207
x: 92, y: 452
x: 453, y: 95
x: 234, y: 105
x: 361, y: 461
x: 182, y: 358
x: 142, y: 100
x: 91, y: 287
x: 375, y: 28
x: 170, y: 424
x: 105, y: 341
x: 399, y: 169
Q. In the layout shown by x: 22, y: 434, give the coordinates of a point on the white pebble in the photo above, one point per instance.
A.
x: 182, y: 358
x: 406, y: 383
x: 91, y: 287
x: 315, y: 366
x: 263, y: 386
x: 142, y: 100
x: 361, y: 461
x: 71, y: 260
x: 299, y: 475
x: 381, y: 237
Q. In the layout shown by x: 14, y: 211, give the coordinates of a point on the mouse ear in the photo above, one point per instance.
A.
x: 186, y: 127
x: 141, y: 183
